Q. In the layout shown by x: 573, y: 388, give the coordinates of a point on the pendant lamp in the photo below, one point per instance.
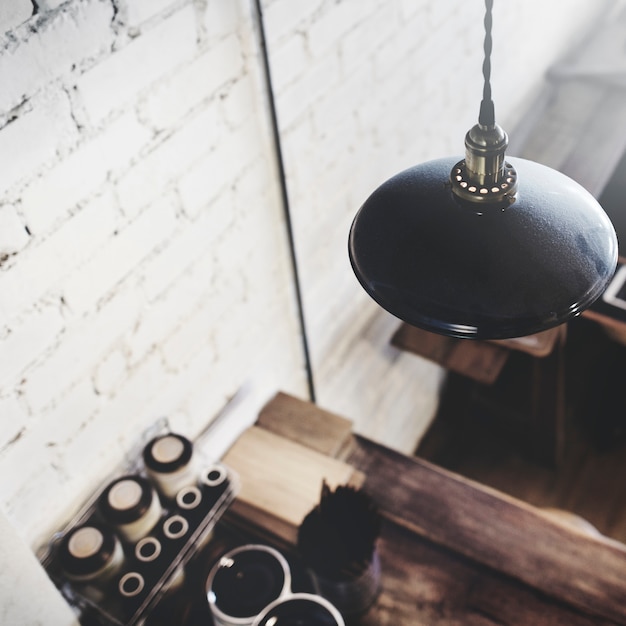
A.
x: 485, y: 247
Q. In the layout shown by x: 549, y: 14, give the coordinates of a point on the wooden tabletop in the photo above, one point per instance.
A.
x: 456, y: 552
x: 452, y: 552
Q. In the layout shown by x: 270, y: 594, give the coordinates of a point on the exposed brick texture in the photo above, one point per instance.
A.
x: 144, y: 263
x: 138, y: 188
x: 14, y: 13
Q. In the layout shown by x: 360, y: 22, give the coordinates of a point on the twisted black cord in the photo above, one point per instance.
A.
x: 487, y: 116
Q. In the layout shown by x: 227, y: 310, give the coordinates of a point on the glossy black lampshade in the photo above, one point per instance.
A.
x: 481, y: 271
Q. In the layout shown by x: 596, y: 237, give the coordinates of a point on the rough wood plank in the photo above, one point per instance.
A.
x: 281, y: 480
x: 481, y: 361
x: 306, y: 423
x: 426, y: 584
x: 503, y: 533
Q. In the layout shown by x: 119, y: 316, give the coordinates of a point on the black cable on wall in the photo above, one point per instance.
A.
x: 285, y: 197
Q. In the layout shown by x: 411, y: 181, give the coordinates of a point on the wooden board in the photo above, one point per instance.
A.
x: 304, y: 422
x: 481, y: 361
x: 505, y: 534
x: 423, y: 583
x: 281, y: 480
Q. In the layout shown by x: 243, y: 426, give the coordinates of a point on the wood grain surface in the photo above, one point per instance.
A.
x: 514, y: 538
x: 584, y: 574
x: 281, y: 480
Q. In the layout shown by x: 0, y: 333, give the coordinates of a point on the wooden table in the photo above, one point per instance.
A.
x: 453, y: 552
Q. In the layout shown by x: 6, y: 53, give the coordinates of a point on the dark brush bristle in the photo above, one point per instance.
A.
x: 338, y: 536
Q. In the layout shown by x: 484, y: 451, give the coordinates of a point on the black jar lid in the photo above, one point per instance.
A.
x: 167, y: 453
x: 86, y: 549
x: 126, y: 499
x: 246, y: 580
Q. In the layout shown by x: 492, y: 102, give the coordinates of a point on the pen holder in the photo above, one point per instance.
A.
x: 353, y: 594
x: 337, y: 541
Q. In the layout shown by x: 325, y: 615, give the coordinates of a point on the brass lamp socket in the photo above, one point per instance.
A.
x: 484, y: 176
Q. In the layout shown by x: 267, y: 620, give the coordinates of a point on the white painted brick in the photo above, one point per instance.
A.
x: 110, y: 373
x: 189, y: 244
x: 219, y: 169
x: 300, y: 95
x: 440, y: 14
x: 195, y: 395
x: 284, y: 17
x: 27, y: 341
x: 289, y: 59
x: 70, y: 414
x: 38, y: 133
x: 83, y: 172
x: 84, y: 234
x: 24, y: 457
x: 340, y: 107
x: 222, y: 19
x: 118, y: 79
x: 14, y: 419
x: 199, y: 282
x: 193, y: 336
x: 29, y: 507
x: 392, y: 55
x: 184, y: 90
x: 138, y: 11
x: 367, y: 38
x: 43, y: 266
x: 78, y: 32
x: 160, y: 319
x: 240, y: 101
x: 210, y: 313
x: 49, y: 5
x: 188, y: 284
x: 255, y: 185
x: 120, y: 422
x: 147, y: 180
x: 109, y: 265
x: 331, y: 27
x: 82, y: 347
x: 13, y: 235
x: 14, y: 13
x: 408, y: 8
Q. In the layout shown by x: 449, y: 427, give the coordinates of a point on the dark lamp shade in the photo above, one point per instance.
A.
x: 465, y: 270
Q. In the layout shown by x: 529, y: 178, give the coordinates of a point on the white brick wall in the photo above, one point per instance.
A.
x: 137, y: 174
x: 14, y: 13
x: 50, y: 45
x: 144, y: 266
x: 117, y: 79
x: 40, y: 133
x: 51, y: 197
x: 13, y: 234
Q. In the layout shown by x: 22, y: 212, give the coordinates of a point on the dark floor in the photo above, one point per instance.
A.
x: 589, y: 480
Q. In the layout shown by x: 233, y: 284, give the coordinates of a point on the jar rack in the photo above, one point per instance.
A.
x: 154, y: 563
